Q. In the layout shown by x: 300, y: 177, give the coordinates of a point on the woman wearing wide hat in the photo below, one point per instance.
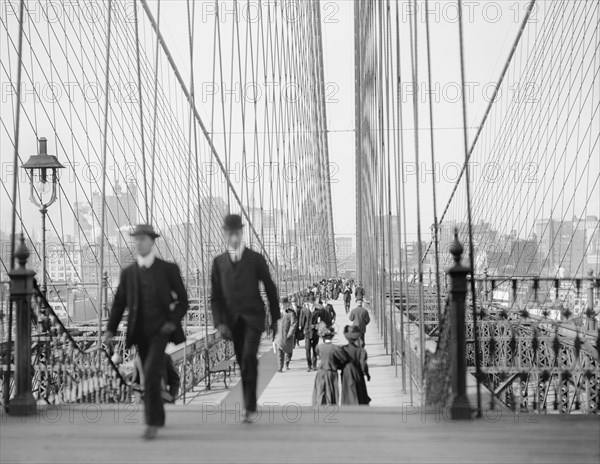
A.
x: 331, y: 359
x: 354, y: 387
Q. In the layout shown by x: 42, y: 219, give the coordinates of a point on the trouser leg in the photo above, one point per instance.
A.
x: 313, y: 346
x: 280, y: 358
x: 173, y: 379
x: 152, y: 353
x: 307, y: 349
x: 246, y: 341
x: 288, y: 358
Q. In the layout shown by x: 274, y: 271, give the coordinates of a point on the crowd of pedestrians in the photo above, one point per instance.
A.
x: 308, y: 317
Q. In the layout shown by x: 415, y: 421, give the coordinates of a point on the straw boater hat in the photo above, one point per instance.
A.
x: 351, y: 333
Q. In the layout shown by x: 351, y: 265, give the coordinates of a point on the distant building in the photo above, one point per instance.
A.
x: 569, y: 246
x: 344, y: 248
x: 121, y: 211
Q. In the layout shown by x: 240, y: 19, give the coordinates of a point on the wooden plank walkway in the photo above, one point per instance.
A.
x: 89, y: 434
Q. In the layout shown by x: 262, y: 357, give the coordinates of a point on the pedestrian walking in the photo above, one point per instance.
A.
x: 360, y: 318
x: 359, y: 291
x: 153, y: 292
x: 331, y: 311
x: 299, y: 333
x: 286, y: 335
x: 331, y: 359
x: 306, y: 327
x: 347, y: 298
x: 237, y: 306
x: 354, y: 387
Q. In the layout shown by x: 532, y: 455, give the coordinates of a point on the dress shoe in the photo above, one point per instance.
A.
x: 250, y: 417
x: 151, y: 432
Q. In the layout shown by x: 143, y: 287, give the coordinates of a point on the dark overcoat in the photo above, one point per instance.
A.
x: 354, y: 387
x: 235, y: 291
x: 171, y: 294
x: 286, y: 333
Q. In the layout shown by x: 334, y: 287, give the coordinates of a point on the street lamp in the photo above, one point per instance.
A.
x: 43, y: 177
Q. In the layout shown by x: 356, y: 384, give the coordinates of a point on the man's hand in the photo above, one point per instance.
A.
x: 274, y: 328
x: 168, y: 328
x: 108, y: 336
x: 224, y: 331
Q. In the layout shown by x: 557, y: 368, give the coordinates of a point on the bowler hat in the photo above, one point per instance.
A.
x: 232, y: 222
x: 144, y: 229
x: 351, y: 333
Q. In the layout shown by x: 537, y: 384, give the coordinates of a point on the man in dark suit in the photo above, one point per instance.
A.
x: 237, y: 306
x: 360, y: 318
x: 306, y: 327
x: 153, y: 292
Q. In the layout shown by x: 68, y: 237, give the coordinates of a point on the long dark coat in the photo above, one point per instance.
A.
x: 354, y: 387
x: 331, y: 358
x: 286, y: 332
x: 235, y: 291
x: 172, y: 298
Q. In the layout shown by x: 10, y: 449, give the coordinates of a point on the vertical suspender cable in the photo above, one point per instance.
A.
x: 104, y: 150
x: 380, y: 172
x: 142, y: 141
x: 414, y: 54
x: 331, y: 267
x: 391, y: 291
x: 468, y: 192
x: 156, y: 55
x: 6, y: 380
x: 357, y: 137
x: 16, y: 139
x: 435, y: 218
x: 400, y: 145
x: 192, y: 124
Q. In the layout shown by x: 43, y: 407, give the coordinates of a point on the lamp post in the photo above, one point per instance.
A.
x: 43, y: 177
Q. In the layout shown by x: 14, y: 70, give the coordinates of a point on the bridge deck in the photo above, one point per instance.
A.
x: 209, y: 429
x: 193, y: 434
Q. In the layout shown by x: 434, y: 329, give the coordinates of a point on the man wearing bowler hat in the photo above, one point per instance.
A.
x: 237, y: 306
x: 153, y: 292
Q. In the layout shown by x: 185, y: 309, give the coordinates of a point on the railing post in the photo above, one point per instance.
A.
x: 21, y: 291
x: 590, y: 310
x: 460, y: 407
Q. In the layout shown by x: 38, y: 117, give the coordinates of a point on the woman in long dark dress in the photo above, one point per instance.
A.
x: 331, y: 358
x: 354, y: 387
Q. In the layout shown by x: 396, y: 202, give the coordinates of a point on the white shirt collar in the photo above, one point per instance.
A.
x: 146, y: 261
x: 236, y: 253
